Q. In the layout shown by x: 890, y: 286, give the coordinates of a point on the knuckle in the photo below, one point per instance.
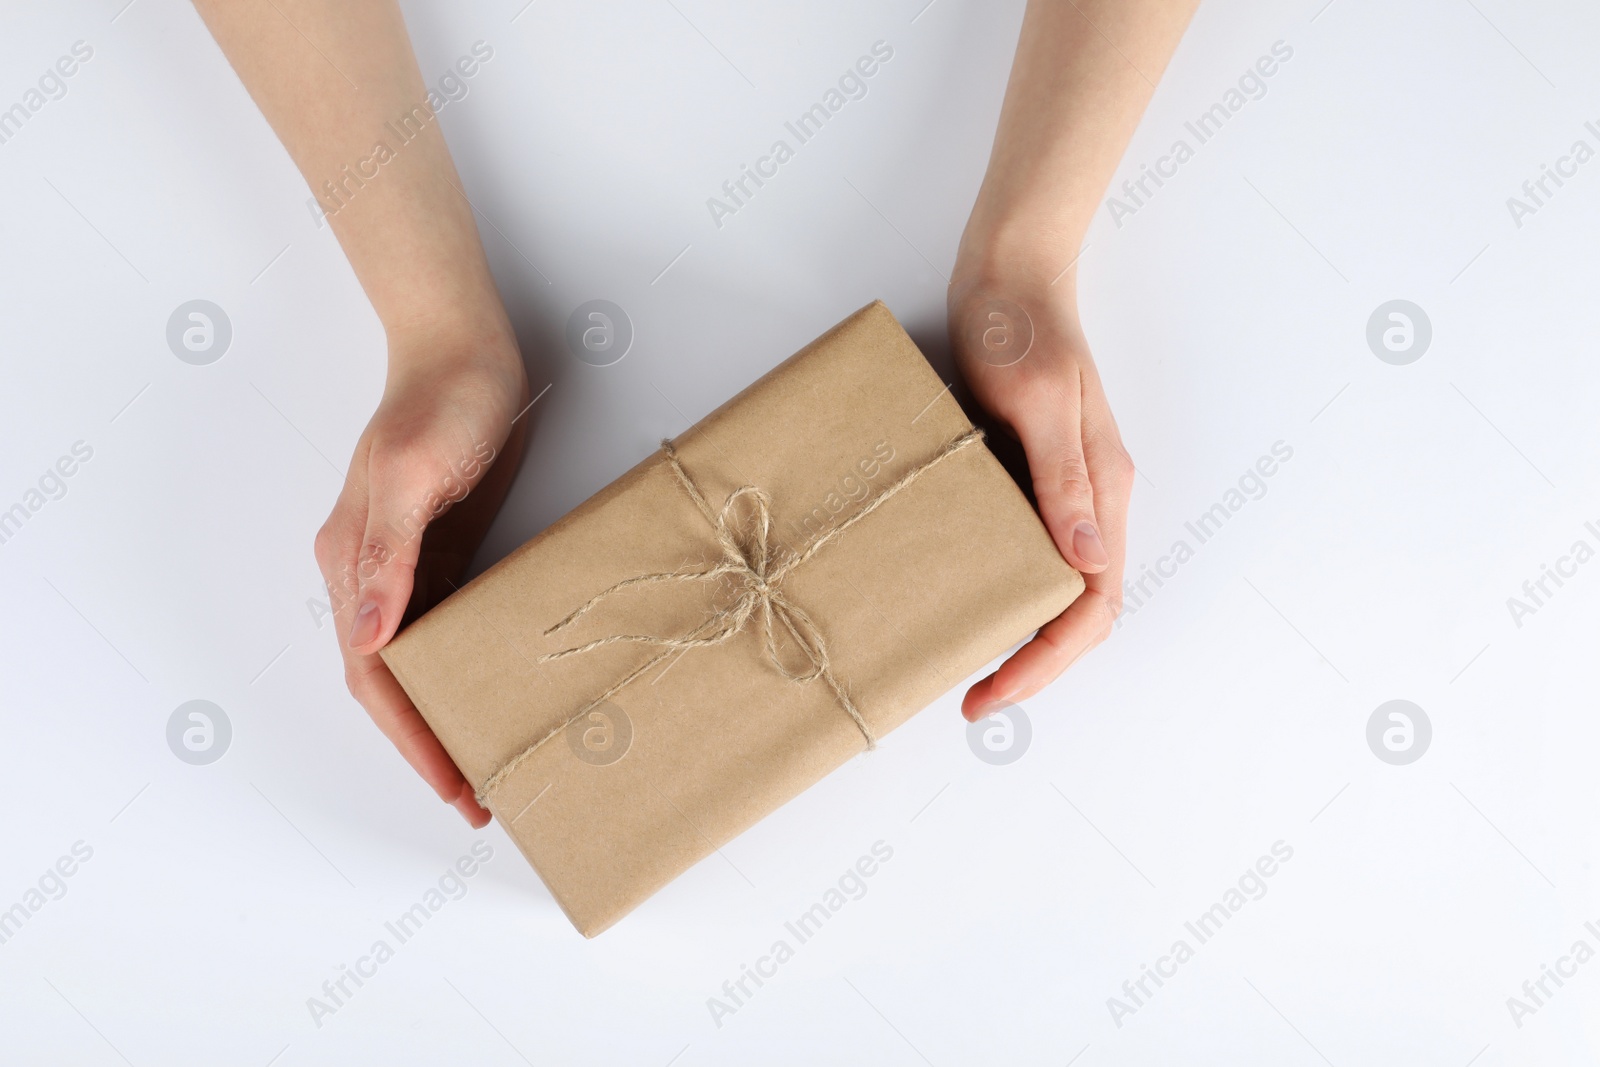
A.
x: 1072, y: 479
x: 369, y: 564
x: 358, y: 676
x: 1123, y: 469
x: 322, y: 549
x: 385, y: 553
x: 376, y: 550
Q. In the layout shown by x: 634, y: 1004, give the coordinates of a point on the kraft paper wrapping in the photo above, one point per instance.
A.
x: 933, y: 585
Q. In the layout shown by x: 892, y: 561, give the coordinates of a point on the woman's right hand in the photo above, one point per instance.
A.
x: 428, y: 475
x: 1050, y: 398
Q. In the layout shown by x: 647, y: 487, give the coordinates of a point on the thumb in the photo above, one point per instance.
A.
x: 404, y: 496
x: 1051, y: 431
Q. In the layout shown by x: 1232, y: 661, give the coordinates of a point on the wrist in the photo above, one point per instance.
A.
x: 480, y: 345
x: 439, y: 304
x: 467, y: 329
x: 1031, y: 252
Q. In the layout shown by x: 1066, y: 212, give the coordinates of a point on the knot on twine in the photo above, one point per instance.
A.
x: 758, y: 566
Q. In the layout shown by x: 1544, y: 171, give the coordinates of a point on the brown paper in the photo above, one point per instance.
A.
x: 930, y: 587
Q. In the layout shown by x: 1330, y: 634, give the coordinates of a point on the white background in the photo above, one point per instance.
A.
x: 1228, y: 713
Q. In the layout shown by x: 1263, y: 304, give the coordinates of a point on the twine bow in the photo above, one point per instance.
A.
x: 759, y: 567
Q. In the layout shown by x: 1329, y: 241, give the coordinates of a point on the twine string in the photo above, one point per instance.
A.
x: 760, y: 566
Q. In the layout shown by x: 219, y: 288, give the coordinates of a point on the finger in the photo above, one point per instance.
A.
x: 1089, y: 619
x: 477, y: 815
x: 409, y: 487
x: 337, y: 543
x: 453, y: 537
x: 1050, y: 426
x: 386, y: 702
x: 337, y: 547
x: 1059, y: 644
x: 980, y: 700
x: 1112, y: 473
x: 339, y: 540
x: 398, y: 512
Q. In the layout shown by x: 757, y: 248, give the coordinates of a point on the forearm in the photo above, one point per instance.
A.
x: 1083, y: 74
x: 339, y: 84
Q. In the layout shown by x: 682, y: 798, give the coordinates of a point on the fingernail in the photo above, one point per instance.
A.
x: 1086, y: 543
x: 365, y: 628
x: 988, y: 708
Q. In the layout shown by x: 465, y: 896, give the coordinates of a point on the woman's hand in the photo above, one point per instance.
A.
x: 1020, y: 348
x: 443, y: 429
x: 1083, y: 74
x: 404, y: 529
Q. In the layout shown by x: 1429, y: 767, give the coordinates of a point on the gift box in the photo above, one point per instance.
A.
x: 759, y: 601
